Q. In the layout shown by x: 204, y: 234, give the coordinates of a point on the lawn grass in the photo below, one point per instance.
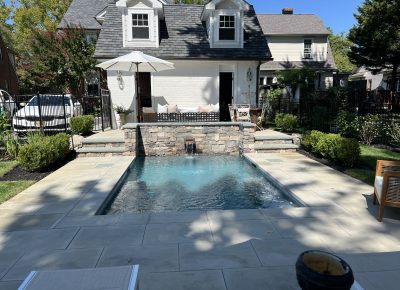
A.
x: 365, y: 171
x: 6, y: 166
x: 8, y: 189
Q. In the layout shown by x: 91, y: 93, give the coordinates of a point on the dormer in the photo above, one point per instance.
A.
x: 140, y: 22
x: 224, y: 20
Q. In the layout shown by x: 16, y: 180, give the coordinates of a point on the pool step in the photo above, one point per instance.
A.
x: 272, y: 141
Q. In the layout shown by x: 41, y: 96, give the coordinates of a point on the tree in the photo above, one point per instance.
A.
x: 376, y: 38
x: 59, y: 61
x: 5, y: 26
x: 341, y: 47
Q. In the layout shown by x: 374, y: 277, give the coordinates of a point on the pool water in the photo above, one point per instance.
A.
x: 198, y: 182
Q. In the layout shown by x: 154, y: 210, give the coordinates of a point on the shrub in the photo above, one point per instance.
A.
x: 287, y: 122
x: 82, y: 124
x: 326, y: 145
x: 5, y: 128
x: 41, y: 151
x: 347, y: 151
x: 310, y: 140
x: 369, y: 128
x: 340, y: 150
x: 395, y: 133
x: 346, y: 124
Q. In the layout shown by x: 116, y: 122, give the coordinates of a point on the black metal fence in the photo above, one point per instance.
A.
x: 319, y: 110
x: 51, y: 113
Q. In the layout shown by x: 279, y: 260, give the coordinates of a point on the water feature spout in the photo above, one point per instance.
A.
x: 190, y: 145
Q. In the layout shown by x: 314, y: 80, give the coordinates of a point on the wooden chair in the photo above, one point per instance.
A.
x: 387, y: 185
x: 243, y: 113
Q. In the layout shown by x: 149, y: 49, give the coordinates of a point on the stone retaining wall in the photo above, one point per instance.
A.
x: 166, y: 139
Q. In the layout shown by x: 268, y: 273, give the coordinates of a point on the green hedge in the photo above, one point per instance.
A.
x: 82, y: 124
x: 42, y: 151
x: 286, y: 122
x: 343, y: 151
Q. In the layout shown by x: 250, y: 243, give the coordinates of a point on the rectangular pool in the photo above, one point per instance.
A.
x: 156, y: 184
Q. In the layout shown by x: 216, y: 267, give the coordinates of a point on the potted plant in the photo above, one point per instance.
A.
x: 318, y: 270
x: 122, y: 112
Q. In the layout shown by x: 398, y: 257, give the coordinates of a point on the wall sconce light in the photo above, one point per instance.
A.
x: 249, y: 75
x: 120, y: 80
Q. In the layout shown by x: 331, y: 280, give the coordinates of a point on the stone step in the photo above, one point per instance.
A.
x: 274, y: 141
x: 272, y: 137
x: 100, y: 151
x: 275, y: 147
x: 107, y: 142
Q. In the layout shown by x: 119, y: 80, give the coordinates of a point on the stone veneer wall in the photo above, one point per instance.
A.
x: 166, y: 139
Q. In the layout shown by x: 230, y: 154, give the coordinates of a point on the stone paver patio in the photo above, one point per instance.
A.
x: 52, y: 226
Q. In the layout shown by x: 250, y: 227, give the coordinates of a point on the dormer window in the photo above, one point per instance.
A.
x: 227, y: 27
x: 140, y: 26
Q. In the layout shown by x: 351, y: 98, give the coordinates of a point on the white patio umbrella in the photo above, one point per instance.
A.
x: 136, y: 62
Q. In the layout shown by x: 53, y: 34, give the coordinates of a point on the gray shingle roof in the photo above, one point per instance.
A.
x: 183, y: 35
x: 292, y: 24
x: 329, y: 64
x: 83, y: 13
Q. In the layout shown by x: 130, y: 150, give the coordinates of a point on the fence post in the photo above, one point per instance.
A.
x: 65, y: 114
x: 40, y: 113
x: 101, y: 111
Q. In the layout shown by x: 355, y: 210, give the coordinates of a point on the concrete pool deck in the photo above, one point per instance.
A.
x: 52, y: 225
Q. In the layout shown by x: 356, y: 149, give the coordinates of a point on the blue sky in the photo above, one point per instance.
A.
x: 336, y: 14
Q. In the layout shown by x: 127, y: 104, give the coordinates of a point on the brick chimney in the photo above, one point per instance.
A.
x: 287, y: 10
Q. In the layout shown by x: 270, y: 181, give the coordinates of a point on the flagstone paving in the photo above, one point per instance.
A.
x: 52, y: 225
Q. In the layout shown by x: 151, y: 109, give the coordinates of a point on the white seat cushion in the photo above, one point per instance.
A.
x: 378, y: 185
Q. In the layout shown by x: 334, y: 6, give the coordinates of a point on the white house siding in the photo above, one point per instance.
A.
x: 191, y: 84
x: 291, y: 48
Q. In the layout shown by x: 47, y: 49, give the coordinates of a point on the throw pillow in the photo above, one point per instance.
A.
x: 173, y: 109
x: 204, y: 109
x: 162, y: 109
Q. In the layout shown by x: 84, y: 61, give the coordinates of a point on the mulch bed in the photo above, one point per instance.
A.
x: 18, y: 173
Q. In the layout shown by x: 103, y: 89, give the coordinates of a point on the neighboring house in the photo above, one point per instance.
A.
x: 297, y: 41
x: 217, y: 49
x: 8, y: 74
x: 374, y: 89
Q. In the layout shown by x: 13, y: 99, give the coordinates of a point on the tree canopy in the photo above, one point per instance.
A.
x: 376, y: 37
x: 341, y: 46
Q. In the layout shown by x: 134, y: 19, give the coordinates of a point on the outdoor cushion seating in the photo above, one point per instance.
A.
x: 387, y: 185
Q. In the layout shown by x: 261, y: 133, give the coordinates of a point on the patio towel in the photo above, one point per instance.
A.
x: 114, y: 278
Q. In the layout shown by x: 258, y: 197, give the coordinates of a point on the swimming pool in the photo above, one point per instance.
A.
x: 201, y: 182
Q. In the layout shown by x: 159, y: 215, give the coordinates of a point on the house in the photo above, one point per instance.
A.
x: 297, y: 41
x: 375, y: 89
x: 217, y: 49
x: 8, y: 74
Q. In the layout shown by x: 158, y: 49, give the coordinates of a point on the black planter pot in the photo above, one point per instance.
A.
x: 317, y: 270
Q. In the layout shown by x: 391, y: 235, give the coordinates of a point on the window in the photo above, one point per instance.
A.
x: 226, y: 27
x: 1, y: 55
x: 307, y: 48
x: 140, y: 26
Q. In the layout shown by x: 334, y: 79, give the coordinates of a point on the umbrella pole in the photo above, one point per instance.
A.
x: 137, y: 93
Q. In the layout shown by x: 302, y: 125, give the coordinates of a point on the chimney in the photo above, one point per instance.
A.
x: 287, y: 10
